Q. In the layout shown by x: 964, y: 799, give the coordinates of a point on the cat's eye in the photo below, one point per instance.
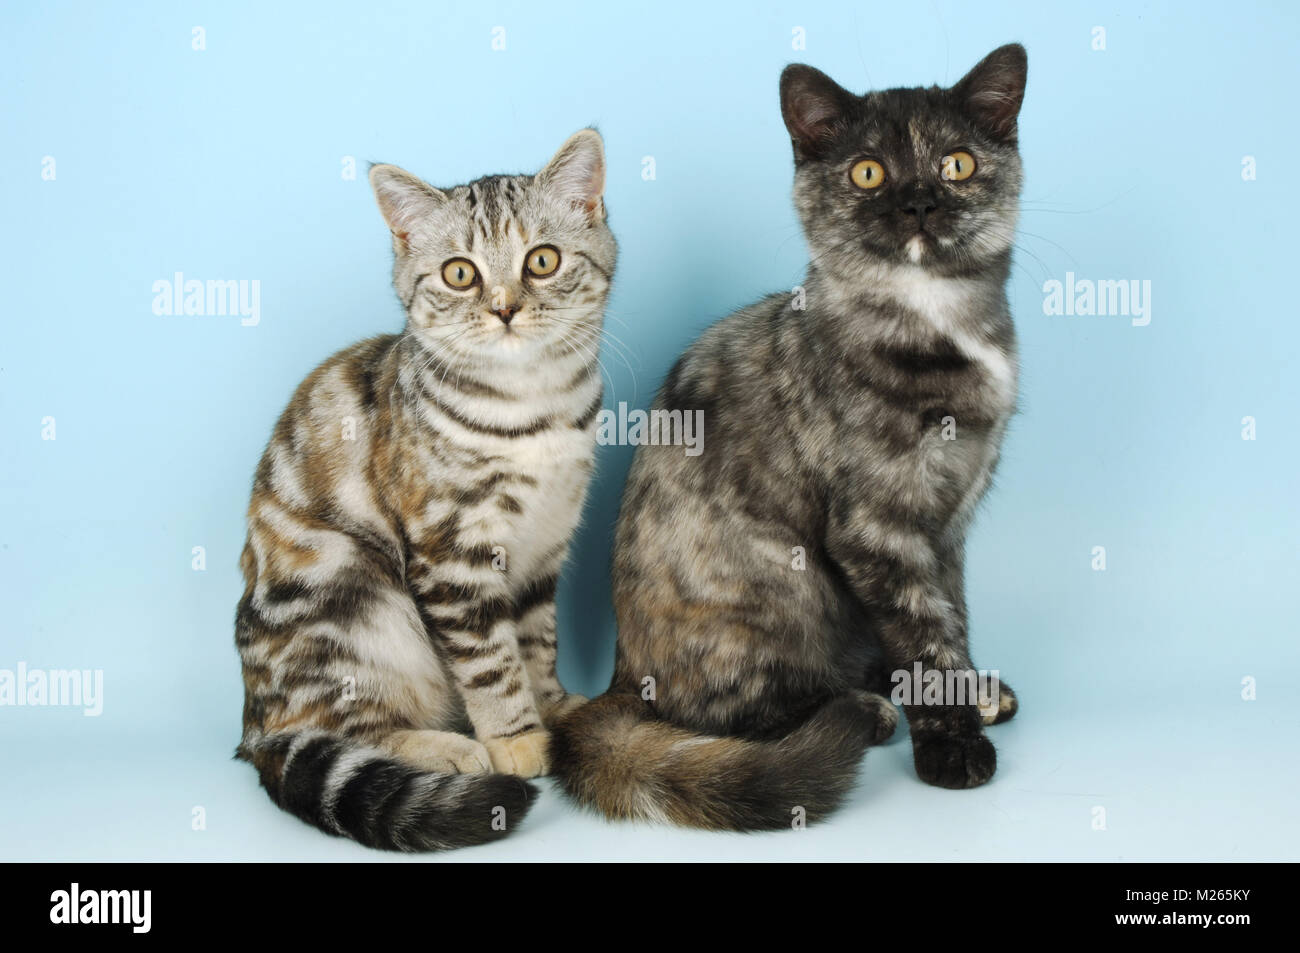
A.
x: 459, y: 273
x: 957, y: 166
x: 542, y: 261
x: 867, y: 174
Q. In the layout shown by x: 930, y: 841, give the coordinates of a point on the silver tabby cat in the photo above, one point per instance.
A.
x: 412, y: 511
x: 766, y: 590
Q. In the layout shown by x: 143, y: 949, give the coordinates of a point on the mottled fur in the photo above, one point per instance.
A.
x: 411, y: 514
x: 770, y: 585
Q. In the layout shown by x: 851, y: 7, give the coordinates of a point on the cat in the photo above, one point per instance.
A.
x: 412, y: 511
x: 765, y: 591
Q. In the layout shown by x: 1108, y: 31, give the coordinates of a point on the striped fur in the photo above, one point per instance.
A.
x: 411, y: 514
x: 762, y: 587
x: 381, y: 801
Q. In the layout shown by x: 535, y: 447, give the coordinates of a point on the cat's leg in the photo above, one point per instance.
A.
x: 348, y: 655
x: 864, y: 653
x: 476, y: 629
x: 536, y: 637
x: 878, y: 677
x: 894, y: 570
x: 997, y: 702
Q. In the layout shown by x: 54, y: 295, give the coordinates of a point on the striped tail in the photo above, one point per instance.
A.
x: 613, y: 754
x: 368, y: 795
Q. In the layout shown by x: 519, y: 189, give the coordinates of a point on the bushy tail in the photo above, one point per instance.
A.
x: 354, y: 791
x: 613, y: 754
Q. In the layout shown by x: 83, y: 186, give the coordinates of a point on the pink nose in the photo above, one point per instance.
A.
x: 507, y: 313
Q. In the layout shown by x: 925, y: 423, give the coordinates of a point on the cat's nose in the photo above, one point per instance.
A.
x: 920, y: 207
x: 506, y: 313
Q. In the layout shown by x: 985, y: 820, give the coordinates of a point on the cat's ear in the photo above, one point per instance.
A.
x: 404, y: 200
x: 576, y: 174
x: 811, y: 104
x: 994, y: 89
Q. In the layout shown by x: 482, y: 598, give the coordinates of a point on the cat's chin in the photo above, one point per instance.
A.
x: 920, y: 249
x: 917, y: 248
x: 511, y: 347
x: 924, y: 248
x: 934, y: 253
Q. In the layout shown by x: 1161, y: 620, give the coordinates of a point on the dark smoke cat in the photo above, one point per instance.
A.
x: 756, y: 585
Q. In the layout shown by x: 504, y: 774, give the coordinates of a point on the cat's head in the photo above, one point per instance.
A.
x: 508, y: 266
x: 927, y: 177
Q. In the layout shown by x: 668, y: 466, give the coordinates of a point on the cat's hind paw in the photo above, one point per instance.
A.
x: 883, y: 712
x: 999, y: 704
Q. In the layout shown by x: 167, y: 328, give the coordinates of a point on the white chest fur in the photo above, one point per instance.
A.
x: 951, y: 307
x: 532, y: 518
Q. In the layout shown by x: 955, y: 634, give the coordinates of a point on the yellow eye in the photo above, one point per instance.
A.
x: 542, y: 261
x: 868, y: 174
x: 459, y: 273
x: 957, y: 166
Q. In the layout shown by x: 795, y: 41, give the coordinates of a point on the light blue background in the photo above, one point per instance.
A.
x: 226, y: 163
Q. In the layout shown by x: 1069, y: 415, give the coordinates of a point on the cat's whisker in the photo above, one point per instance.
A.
x: 591, y: 353
x: 603, y: 333
x: 1056, y: 245
x: 409, y: 341
x: 1025, y: 250
x: 617, y: 345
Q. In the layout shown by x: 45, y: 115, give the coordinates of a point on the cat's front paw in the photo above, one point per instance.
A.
x: 953, y: 761
x: 442, y: 752
x: 999, y: 704
x: 562, y: 707
x: 527, y: 755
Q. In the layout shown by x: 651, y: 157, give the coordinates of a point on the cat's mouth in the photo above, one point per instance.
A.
x: 512, y: 343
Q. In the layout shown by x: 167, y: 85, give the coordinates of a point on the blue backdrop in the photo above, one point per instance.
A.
x: 1159, y: 701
